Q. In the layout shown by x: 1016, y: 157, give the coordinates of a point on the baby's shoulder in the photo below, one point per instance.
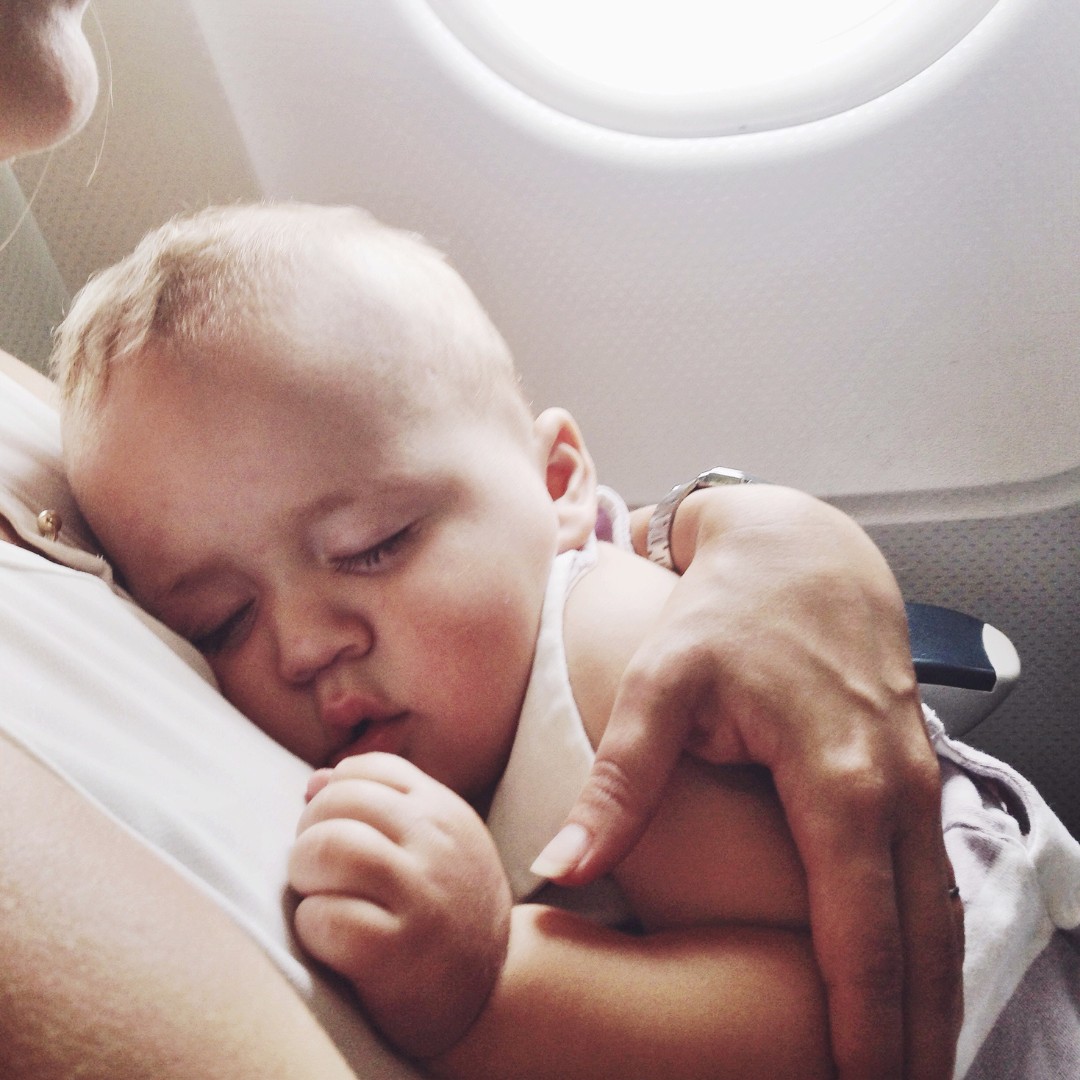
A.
x: 608, y: 612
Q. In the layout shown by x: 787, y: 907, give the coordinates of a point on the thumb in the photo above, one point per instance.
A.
x: 634, y: 760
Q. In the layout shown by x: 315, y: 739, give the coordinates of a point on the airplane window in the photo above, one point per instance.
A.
x: 696, y: 68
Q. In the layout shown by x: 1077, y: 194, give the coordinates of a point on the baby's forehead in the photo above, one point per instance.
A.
x: 366, y: 334
x: 345, y: 353
x: 342, y: 393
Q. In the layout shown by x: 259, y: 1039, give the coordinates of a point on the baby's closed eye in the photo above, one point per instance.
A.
x: 378, y: 556
x: 226, y: 633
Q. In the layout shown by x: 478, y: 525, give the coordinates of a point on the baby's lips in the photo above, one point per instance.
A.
x: 316, y: 782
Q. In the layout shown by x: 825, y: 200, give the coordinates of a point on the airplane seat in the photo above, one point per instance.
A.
x: 965, y: 667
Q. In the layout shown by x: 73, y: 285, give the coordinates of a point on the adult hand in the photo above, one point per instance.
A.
x: 404, y: 895
x: 786, y: 644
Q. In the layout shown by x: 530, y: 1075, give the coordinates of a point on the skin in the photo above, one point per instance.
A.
x: 42, y: 388
x: 48, y: 80
x: 843, y: 738
x: 747, y: 969
x: 360, y: 580
x: 887, y: 852
x: 393, y: 867
x: 730, y: 1001
x: 717, y: 851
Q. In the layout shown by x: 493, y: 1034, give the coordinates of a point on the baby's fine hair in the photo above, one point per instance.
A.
x: 221, y: 273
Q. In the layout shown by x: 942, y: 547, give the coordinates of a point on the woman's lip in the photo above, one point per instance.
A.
x: 384, y: 735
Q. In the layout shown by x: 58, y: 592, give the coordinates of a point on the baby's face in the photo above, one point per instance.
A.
x: 357, y: 582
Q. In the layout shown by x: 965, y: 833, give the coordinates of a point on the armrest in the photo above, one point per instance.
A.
x: 965, y: 667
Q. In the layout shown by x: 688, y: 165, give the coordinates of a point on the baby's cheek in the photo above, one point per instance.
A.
x: 285, y: 714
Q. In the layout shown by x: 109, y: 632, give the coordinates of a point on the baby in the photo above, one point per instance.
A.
x: 304, y: 446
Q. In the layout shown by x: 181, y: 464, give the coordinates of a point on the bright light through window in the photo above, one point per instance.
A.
x: 677, y: 46
x: 703, y: 67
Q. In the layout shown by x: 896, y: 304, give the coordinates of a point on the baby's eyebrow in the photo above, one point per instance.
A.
x: 388, y: 494
x: 325, y: 504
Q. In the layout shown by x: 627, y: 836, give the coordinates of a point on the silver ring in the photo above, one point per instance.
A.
x: 954, y: 892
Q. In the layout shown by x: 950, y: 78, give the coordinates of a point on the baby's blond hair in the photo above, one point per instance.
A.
x: 226, y: 273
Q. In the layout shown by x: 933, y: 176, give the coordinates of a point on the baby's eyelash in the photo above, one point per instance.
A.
x: 228, y: 632
x: 374, y: 557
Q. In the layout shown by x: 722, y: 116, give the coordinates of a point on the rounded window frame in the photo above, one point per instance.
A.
x: 851, y: 68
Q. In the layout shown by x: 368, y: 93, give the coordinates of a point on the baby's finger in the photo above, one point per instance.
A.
x: 388, y: 769
x: 346, y: 933
x: 349, y: 857
x: 388, y: 810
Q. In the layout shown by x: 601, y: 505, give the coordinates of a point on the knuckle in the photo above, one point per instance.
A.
x: 317, y: 925
x: 610, y: 788
x: 322, y: 842
x: 331, y: 855
x: 854, y: 783
x: 311, y: 851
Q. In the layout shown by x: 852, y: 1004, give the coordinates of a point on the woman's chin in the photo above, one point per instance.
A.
x: 47, y: 98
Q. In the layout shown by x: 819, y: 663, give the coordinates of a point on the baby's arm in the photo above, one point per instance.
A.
x: 404, y: 895
x: 578, y: 1001
x: 718, y: 849
x: 403, y: 899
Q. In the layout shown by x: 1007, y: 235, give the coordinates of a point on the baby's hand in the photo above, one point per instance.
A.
x: 404, y: 895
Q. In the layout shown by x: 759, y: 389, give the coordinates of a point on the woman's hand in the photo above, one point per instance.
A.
x: 786, y: 644
x: 404, y: 895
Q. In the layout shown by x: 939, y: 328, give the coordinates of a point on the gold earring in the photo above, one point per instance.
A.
x: 49, y: 524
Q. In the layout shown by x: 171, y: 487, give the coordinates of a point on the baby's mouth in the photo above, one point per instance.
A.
x: 355, y: 735
x: 372, y: 733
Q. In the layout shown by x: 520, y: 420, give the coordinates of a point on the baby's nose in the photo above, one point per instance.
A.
x: 311, y: 635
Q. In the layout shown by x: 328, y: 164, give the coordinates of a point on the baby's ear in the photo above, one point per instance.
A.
x: 570, y: 475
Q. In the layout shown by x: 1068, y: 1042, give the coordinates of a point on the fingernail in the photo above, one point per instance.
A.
x: 563, y: 853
